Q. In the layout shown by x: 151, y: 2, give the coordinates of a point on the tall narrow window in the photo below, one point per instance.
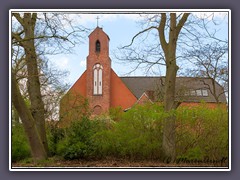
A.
x: 98, y: 46
x: 97, y: 79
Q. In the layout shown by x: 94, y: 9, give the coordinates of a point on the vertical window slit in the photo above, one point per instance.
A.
x: 98, y: 46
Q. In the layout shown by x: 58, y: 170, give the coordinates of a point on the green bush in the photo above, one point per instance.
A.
x: 77, y: 142
x: 116, y: 114
x: 20, y: 146
x: 54, y: 136
x: 71, y: 151
x: 202, y: 133
x: 137, y: 136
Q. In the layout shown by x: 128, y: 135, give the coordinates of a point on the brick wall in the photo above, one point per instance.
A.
x: 100, y: 102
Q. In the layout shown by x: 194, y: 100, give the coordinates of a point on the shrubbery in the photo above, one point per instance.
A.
x: 54, y: 136
x: 137, y: 136
x: 77, y: 141
x: 20, y: 146
x: 201, y: 133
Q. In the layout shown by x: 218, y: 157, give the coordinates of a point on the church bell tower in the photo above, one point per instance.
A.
x: 98, y: 72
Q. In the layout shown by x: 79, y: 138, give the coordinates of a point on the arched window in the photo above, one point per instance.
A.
x: 98, y: 46
x: 97, y: 79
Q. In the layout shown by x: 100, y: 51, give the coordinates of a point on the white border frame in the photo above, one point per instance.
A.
x: 124, y: 11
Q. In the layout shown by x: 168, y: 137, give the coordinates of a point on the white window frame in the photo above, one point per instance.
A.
x: 205, y: 92
x: 97, y: 79
x: 199, y: 92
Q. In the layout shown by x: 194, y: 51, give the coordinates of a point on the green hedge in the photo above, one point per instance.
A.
x: 77, y: 142
x: 20, y: 146
x: 201, y: 133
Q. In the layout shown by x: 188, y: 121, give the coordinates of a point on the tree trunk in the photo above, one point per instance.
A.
x: 28, y: 22
x: 15, y: 116
x: 169, y: 146
x: 37, y: 149
x: 169, y: 49
x: 33, y: 83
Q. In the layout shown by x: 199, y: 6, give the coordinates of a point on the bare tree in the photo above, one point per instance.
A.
x: 162, y: 53
x: 210, y: 61
x: 52, y: 86
x: 208, y: 57
x: 33, y: 35
x: 162, y: 42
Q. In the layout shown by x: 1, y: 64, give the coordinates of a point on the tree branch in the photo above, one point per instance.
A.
x: 161, y: 29
x: 18, y: 38
x: 181, y: 23
x: 141, y: 32
x: 18, y: 17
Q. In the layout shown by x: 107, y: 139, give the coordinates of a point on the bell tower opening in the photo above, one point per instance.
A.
x: 98, y: 46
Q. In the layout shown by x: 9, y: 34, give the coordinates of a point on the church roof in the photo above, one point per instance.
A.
x: 188, y: 89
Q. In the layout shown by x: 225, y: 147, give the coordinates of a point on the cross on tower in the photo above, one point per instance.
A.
x: 97, y: 20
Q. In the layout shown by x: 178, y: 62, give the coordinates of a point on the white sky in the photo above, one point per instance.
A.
x: 120, y: 28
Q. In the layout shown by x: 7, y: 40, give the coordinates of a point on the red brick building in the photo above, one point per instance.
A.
x: 103, y: 89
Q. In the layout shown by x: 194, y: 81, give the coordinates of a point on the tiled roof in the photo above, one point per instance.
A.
x: 184, y: 86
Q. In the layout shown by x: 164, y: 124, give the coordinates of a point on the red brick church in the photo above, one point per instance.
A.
x: 104, y: 89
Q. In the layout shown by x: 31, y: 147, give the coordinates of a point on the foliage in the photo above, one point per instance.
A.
x: 202, y: 133
x: 54, y: 135
x: 20, y: 146
x: 116, y: 114
x: 136, y: 136
x: 77, y: 142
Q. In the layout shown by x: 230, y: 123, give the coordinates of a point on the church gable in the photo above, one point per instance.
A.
x: 80, y: 85
x: 144, y: 99
x: 120, y: 94
x: 73, y: 104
